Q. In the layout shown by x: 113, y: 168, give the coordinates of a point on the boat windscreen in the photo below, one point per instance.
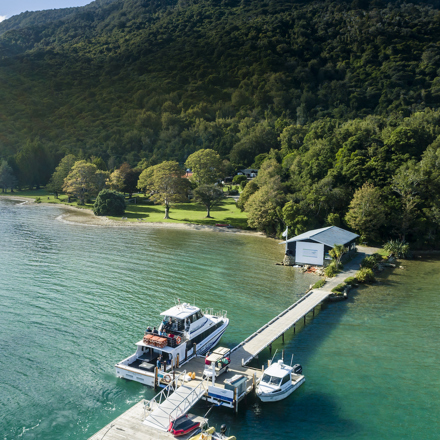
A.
x: 271, y: 380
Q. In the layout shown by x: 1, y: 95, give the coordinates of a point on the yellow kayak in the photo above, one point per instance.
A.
x: 206, y: 435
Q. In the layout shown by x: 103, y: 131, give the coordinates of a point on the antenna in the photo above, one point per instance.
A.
x: 271, y: 362
x: 291, y: 360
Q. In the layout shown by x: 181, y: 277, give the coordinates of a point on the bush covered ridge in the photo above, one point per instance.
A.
x: 132, y: 79
x: 336, y: 103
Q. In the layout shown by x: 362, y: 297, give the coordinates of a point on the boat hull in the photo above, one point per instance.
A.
x: 136, y: 375
x: 271, y: 397
x: 147, y: 378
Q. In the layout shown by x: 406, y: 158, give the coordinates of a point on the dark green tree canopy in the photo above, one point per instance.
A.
x: 109, y: 202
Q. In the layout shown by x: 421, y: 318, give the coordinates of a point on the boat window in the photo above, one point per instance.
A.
x: 199, y: 315
x: 265, y: 378
x: 271, y: 380
x: 285, y: 379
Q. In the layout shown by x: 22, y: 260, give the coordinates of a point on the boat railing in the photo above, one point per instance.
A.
x: 190, y: 400
x: 159, y: 398
x: 218, y: 314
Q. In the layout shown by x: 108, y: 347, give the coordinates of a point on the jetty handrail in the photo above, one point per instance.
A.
x: 169, y: 389
x: 281, y: 332
x: 178, y: 408
x: 272, y: 321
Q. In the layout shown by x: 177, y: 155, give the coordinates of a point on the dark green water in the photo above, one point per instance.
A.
x: 74, y: 300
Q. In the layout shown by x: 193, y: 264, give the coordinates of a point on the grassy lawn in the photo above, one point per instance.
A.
x: 191, y: 212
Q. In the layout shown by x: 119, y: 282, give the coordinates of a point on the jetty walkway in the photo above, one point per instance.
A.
x: 149, y: 420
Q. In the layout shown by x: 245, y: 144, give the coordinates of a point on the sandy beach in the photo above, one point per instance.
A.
x: 81, y: 216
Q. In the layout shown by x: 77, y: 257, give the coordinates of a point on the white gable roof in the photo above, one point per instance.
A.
x: 330, y: 236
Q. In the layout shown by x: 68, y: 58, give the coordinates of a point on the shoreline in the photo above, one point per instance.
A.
x: 85, y: 217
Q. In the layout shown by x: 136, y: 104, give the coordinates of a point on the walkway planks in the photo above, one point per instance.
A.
x: 177, y: 404
x: 129, y: 426
x: 267, y: 334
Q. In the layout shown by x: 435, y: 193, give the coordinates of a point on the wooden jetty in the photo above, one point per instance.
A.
x: 129, y: 426
x: 148, y: 420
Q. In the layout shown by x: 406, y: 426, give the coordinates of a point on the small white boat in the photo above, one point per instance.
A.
x: 185, y: 332
x: 279, y: 381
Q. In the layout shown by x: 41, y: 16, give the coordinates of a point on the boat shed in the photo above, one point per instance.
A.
x: 312, y: 247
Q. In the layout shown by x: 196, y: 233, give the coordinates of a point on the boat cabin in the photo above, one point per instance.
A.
x: 182, y: 317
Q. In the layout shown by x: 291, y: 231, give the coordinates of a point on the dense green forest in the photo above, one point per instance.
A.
x: 326, y: 95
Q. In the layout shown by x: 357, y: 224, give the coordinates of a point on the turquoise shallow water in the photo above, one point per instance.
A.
x: 75, y: 299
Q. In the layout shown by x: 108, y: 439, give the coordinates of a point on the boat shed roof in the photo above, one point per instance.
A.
x: 330, y: 236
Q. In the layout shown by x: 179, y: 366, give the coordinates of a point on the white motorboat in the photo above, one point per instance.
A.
x: 279, y: 381
x: 185, y: 332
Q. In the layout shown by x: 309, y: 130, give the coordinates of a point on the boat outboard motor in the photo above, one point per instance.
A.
x: 223, y: 429
x: 297, y: 369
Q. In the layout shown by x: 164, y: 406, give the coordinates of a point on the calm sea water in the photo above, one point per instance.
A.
x: 75, y: 299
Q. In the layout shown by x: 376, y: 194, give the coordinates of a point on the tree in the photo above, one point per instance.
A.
x: 337, y: 252
x: 7, y: 178
x: 166, y: 183
x: 406, y: 182
x: 262, y: 207
x: 250, y: 189
x: 125, y: 179
x: 130, y: 181
x: 206, y: 166
x: 333, y: 219
x: 238, y: 179
x: 56, y: 182
x: 35, y: 164
x: 109, y: 203
x: 294, y: 218
x: 81, y: 181
x: 366, y: 212
x: 99, y: 162
x: 209, y: 196
x: 101, y: 179
x: 116, y: 181
x: 145, y: 181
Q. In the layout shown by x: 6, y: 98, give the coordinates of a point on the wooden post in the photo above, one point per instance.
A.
x: 254, y: 381
x: 236, y: 400
x: 177, y: 360
x: 268, y: 362
x: 294, y: 328
x: 313, y: 311
x: 283, y: 339
x: 155, y: 377
x: 282, y: 354
x: 304, y: 319
x: 270, y: 348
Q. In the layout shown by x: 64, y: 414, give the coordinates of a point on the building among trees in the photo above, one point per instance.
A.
x: 313, y: 247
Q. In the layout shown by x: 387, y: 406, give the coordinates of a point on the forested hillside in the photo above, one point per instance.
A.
x: 342, y: 93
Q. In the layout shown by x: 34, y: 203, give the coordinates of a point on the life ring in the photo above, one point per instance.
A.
x: 178, y: 340
x: 167, y: 378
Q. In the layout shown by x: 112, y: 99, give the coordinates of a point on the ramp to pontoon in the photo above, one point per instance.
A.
x: 173, y: 405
